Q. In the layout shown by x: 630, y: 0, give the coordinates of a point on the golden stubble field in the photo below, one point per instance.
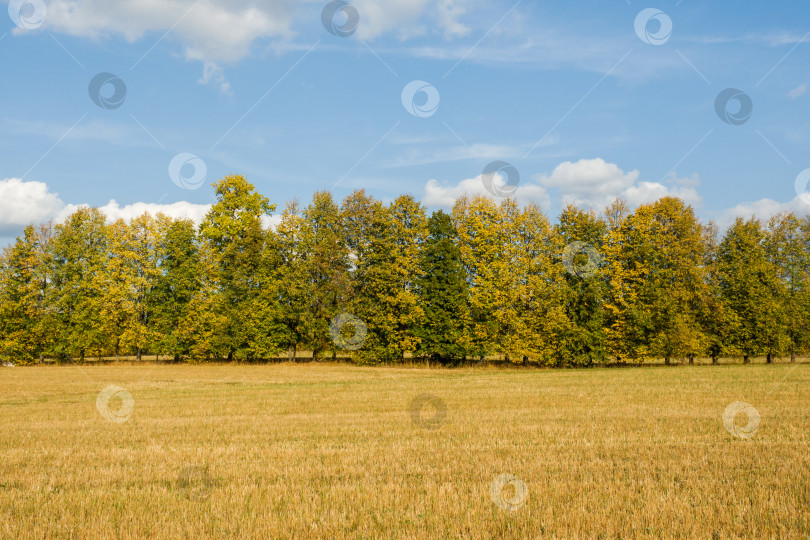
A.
x: 336, y: 451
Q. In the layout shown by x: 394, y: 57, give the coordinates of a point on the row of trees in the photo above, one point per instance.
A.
x: 488, y: 279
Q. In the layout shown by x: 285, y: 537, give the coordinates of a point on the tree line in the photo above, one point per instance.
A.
x: 489, y: 279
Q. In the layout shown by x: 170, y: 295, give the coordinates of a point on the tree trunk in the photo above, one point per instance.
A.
x: 792, y: 355
x: 691, y: 359
x: 334, y: 355
x: 769, y: 358
x: 666, y: 361
x: 525, y: 360
x: 714, y: 359
x: 746, y: 360
x: 139, y: 354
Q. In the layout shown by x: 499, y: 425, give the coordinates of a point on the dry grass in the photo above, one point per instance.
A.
x: 331, y: 451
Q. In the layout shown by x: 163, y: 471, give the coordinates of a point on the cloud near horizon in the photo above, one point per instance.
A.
x: 590, y: 184
x: 595, y: 183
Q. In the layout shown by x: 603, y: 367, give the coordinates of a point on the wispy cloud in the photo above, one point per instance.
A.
x: 798, y: 92
x: 476, y: 151
x: 117, y: 133
x: 776, y: 39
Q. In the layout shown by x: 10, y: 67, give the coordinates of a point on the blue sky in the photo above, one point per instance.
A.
x: 582, y: 104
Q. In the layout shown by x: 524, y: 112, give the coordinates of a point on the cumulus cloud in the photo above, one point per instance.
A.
x: 32, y: 203
x: 215, y: 30
x: 444, y: 196
x: 594, y: 183
x: 114, y: 212
x: 24, y: 203
x: 587, y: 183
x: 762, y: 209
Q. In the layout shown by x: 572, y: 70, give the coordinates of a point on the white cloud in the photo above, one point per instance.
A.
x: 798, y: 91
x: 594, y: 183
x: 647, y: 192
x: 225, y: 30
x: 214, y: 30
x: 762, y: 209
x: 25, y: 203
x: 213, y: 74
x: 406, y: 18
x: 587, y: 183
x: 113, y: 211
x: 31, y: 203
x: 449, y: 12
x: 176, y: 210
x: 445, y: 196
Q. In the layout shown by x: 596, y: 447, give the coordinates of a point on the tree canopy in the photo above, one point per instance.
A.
x: 385, y: 282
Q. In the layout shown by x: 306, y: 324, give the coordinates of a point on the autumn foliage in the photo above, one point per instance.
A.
x: 488, y: 280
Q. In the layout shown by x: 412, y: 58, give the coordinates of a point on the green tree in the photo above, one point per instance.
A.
x: 79, y: 251
x: 294, y: 284
x: 383, y: 244
x: 719, y: 322
x: 787, y: 251
x: 177, y: 283
x: 749, y: 288
x: 233, y: 231
x: 577, y: 318
x: 369, y: 235
x: 443, y: 293
x: 324, y: 241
